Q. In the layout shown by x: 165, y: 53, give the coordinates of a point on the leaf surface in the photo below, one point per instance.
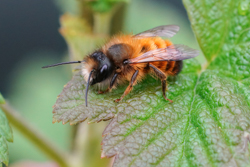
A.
x: 5, y: 135
x: 209, y: 122
x: 2, y: 101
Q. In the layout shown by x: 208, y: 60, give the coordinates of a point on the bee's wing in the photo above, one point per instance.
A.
x: 162, y: 31
x: 170, y: 53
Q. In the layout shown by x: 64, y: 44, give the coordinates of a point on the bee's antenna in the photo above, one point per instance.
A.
x: 87, y: 88
x: 58, y: 64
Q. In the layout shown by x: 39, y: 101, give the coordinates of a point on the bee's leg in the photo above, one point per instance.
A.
x: 130, y: 86
x: 163, y: 78
x: 112, y: 82
x: 163, y: 84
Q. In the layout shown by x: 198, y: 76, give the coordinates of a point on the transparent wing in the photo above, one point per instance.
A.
x: 162, y: 31
x: 170, y: 53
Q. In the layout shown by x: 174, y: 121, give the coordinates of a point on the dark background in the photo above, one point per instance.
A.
x: 26, y: 26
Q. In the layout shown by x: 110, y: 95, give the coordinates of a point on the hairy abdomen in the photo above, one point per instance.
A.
x: 168, y: 67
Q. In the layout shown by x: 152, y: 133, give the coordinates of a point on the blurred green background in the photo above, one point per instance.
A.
x: 30, y: 40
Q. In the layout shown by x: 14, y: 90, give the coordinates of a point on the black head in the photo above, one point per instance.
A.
x: 103, y: 68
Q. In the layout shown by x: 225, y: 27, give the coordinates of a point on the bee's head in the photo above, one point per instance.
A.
x: 97, y: 68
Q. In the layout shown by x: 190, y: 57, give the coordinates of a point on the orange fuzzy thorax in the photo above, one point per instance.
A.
x: 139, y: 46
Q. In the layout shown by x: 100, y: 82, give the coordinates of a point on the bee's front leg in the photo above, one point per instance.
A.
x: 112, y: 82
x: 130, y: 86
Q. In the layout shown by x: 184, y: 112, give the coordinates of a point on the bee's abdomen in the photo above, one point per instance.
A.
x: 173, y: 67
x: 169, y: 67
x: 177, y: 67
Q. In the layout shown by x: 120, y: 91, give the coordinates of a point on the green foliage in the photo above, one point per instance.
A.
x: 103, y: 5
x: 209, y: 122
x: 2, y: 101
x: 4, y: 154
x: 5, y: 135
x: 28, y: 78
x: 5, y: 129
x: 243, y: 7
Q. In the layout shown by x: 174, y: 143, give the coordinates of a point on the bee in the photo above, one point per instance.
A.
x: 131, y: 57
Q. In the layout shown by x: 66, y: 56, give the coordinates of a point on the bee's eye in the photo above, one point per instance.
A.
x: 99, y: 56
x: 105, y: 67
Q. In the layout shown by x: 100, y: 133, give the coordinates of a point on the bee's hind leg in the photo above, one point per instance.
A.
x: 164, y: 86
x: 130, y: 86
x: 112, y: 82
x: 163, y: 78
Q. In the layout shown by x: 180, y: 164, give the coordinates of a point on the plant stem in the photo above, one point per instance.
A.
x: 118, y: 18
x: 35, y: 136
x: 109, y: 22
x: 80, y: 143
x: 102, y: 23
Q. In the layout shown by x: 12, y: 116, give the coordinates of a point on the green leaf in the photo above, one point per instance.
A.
x: 208, y: 124
x: 2, y: 101
x: 4, y: 154
x: 5, y: 129
x: 5, y: 135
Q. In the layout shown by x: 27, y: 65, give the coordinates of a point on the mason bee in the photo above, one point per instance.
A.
x: 132, y: 57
